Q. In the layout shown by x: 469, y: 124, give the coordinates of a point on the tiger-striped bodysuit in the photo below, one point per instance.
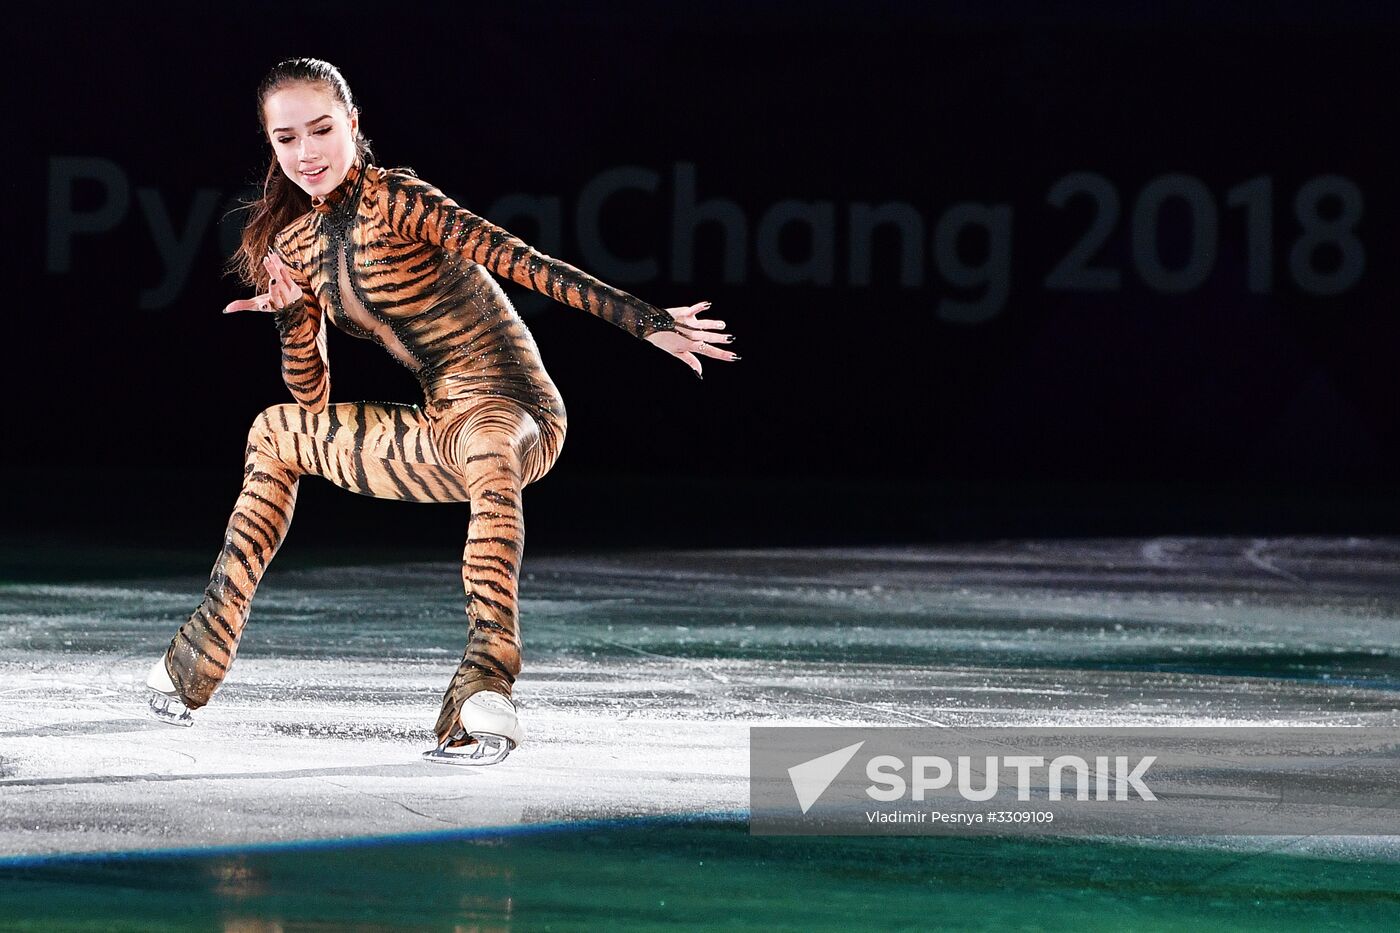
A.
x: 389, y: 257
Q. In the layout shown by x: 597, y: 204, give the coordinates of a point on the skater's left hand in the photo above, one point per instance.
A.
x: 282, y: 289
x: 693, y: 336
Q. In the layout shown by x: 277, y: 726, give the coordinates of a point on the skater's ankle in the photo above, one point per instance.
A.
x: 485, y: 685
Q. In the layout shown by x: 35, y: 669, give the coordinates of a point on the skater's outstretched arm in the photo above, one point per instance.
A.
x: 300, y: 326
x: 418, y: 211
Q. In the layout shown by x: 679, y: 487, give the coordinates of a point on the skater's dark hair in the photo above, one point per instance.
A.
x: 282, y: 201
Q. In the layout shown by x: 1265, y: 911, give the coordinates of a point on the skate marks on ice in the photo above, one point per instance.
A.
x: 644, y: 671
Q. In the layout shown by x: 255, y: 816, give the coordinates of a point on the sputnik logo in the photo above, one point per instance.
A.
x: 811, y: 778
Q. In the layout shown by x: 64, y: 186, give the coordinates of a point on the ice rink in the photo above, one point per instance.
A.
x: 643, y: 672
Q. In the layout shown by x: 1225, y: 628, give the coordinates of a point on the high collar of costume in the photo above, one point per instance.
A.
x: 340, y: 194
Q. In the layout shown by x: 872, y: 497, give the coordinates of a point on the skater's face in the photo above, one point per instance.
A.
x: 311, y: 132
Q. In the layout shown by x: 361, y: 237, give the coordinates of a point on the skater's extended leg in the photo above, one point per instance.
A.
x: 499, y: 448
x: 374, y: 449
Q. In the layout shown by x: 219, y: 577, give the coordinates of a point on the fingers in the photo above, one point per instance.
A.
x: 690, y: 360
x: 684, y: 348
x: 281, y: 286
x: 696, y: 323
x: 697, y: 335
x: 274, y: 266
x: 695, y: 309
x: 703, y: 335
x: 690, y: 311
x: 283, y: 289
x: 713, y: 351
x: 262, y: 302
x: 689, y: 316
x: 284, y: 275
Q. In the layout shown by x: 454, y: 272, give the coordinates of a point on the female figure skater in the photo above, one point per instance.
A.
x: 386, y: 256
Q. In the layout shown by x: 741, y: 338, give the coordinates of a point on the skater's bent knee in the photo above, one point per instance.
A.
x: 270, y: 422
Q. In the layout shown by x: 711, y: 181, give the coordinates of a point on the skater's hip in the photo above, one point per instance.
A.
x: 531, y: 388
x: 532, y: 425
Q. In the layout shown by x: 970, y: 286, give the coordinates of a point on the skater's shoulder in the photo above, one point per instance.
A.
x: 382, y: 182
x: 403, y: 179
x: 392, y: 173
x: 402, y: 193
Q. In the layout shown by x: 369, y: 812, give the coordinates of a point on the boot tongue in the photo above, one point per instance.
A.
x: 491, y: 699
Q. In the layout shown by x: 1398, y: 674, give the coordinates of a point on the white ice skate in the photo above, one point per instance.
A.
x: 165, y: 704
x: 489, y: 718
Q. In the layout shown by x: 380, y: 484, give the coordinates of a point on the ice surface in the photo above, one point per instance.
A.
x: 643, y: 672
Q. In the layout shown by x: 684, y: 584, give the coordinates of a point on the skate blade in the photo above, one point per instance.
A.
x: 488, y: 750
x: 168, y: 709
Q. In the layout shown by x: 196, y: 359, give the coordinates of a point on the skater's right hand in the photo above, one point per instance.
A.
x: 282, y: 290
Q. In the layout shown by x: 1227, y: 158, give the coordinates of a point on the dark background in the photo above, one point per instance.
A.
x: 1258, y: 397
